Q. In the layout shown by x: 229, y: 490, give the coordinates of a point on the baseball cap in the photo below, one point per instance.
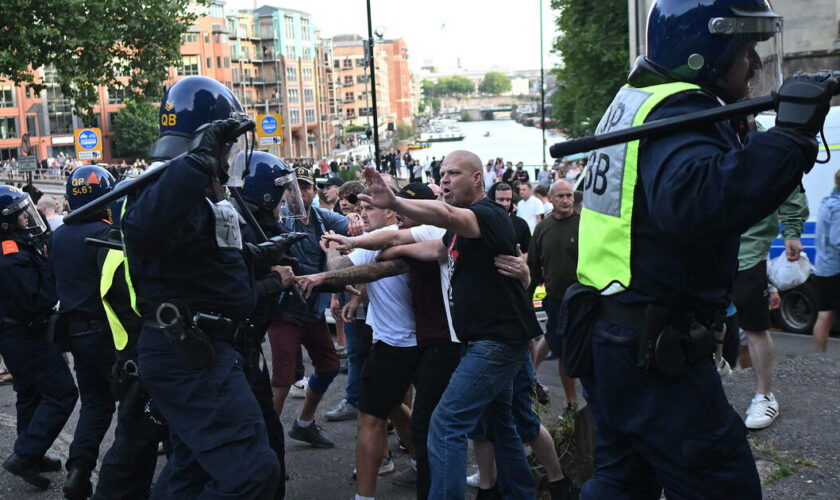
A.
x: 304, y: 175
x: 417, y: 191
x: 331, y: 181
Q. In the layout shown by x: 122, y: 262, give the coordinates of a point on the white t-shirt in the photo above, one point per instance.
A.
x: 489, y: 178
x: 426, y: 233
x: 529, y: 210
x: 389, y: 313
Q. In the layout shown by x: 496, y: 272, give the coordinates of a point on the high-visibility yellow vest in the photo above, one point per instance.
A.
x: 113, y: 260
x: 605, y: 220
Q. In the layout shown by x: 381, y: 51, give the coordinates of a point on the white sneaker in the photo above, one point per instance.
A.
x: 298, y: 389
x: 762, y: 411
x: 474, y: 479
x: 723, y: 368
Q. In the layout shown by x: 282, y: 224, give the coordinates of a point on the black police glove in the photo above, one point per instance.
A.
x: 270, y: 284
x: 209, y: 146
x: 803, y: 102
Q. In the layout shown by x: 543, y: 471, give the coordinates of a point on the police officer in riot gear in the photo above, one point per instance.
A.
x: 45, y: 390
x: 129, y: 465
x: 659, y: 236
x: 184, y: 250
x: 76, y: 267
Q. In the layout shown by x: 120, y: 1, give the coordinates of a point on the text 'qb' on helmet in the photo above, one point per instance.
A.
x: 87, y: 184
x: 188, y: 104
x: 18, y: 213
x: 698, y: 40
x: 267, y: 180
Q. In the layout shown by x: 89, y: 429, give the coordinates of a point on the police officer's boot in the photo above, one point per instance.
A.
x: 50, y: 464
x: 78, y: 485
x: 27, y: 469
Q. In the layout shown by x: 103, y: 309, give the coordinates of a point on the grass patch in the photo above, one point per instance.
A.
x: 785, y: 462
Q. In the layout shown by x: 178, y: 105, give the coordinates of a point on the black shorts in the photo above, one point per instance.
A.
x: 386, y: 377
x: 829, y: 290
x: 751, y: 298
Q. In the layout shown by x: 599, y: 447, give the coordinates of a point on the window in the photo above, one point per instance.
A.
x: 32, y: 125
x: 360, y: 62
x: 362, y: 79
x: 218, y: 62
x: 308, y: 95
x: 207, y: 38
x: 348, y: 80
x: 189, y: 66
x: 348, y: 96
x: 227, y: 62
x: 348, y: 63
x: 291, y: 74
x: 116, y: 95
x: 217, y: 11
x: 8, y: 127
x: 289, y: 23
x: 294, y: 116
x: 364, y: 111
x: 59, y: 111
x: 304, y: 29
x: 246, y: 53
x: 217, y: 37
x: 336, y: 64
x: 294, y: 98
x: 310, y: 115
x: 209, y: 64
x: 307, y: 74
x: 291, y: 52
x: 7, y: 96
x: 307, y: 53
x: 350, y: 112
x: 189, y: 38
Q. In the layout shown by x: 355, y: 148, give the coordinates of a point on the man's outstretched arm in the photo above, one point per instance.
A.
x: 364, y: 273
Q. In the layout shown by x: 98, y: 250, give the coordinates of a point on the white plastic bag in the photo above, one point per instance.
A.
x: 785, y: 275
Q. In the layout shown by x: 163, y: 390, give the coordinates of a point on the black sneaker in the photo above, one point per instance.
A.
x: 78, y: 485
x: 26, y: 469
x: 50, y: 464
x: 563, y: 490
x: 311, y: 435
x: 493, y: 493
x: 541, y: 394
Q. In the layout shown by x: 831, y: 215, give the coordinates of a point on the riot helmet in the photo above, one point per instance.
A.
x: 187, y: 105
x: 19, y: 214
x: 269, y: 181
x: 116, y: 206
x: 729, y: 45
x: 87, y: 184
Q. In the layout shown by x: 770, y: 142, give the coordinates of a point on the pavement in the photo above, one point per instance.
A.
x: 797, y: 456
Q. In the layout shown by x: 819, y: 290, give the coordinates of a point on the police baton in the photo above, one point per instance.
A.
x: 660, y: 127
x: 142, y: 181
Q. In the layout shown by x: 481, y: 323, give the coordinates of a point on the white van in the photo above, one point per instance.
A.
x: 798, y: 312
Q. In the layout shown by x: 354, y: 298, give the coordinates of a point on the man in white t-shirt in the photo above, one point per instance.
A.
x: 489, y: 175
x: 388, y: 372
x: 529, y: 207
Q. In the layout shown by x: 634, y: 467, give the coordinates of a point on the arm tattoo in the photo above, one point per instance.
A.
x: 337, y: 261
x: 365, y: 273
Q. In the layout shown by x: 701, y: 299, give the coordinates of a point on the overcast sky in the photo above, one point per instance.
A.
x: 483, y: 33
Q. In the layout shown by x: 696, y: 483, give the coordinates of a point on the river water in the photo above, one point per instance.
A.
x: 507, y: 140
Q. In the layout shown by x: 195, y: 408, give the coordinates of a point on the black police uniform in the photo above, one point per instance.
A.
x: 128, y: 467
x: 183, y: 244
x: 46, y: 394
x: 76, y: 266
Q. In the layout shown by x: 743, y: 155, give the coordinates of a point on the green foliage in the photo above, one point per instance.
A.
x: 404, y: 131
x: 495, y: 83
x: 436, y: 105
x: 354, y: 128
x: 135, y: 129
x: 93, y: 42
x: 448, y: 86
x: 592, y: 38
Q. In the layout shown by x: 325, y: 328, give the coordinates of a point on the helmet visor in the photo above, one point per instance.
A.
x: 754, y: 65
x: 293, y: 206
x: 28, y: 219
x: 237, y: 160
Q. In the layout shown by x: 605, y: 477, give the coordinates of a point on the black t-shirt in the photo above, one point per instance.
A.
x: 427, y: 301
x: 485, y: 304
x: 522, y: 232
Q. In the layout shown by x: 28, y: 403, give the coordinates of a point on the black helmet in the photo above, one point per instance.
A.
x: 188, y: 104
x: 18, y: 213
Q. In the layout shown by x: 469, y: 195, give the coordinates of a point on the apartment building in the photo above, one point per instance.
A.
x: 353, y: 82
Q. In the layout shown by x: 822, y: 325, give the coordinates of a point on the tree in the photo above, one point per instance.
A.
x: 461, y: 85
x: 593, y: 41
x: 93, y: 42
x: 495, y: 83
x: 135, y: 129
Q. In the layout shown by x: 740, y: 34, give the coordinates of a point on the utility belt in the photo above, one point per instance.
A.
x: 192, y: 333
x: 27, y: 325
x: 669, y: 340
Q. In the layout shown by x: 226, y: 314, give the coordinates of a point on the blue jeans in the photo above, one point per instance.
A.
x: 482, y: 384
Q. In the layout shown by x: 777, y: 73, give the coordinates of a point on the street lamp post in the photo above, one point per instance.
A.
x: 542, y: 83
x: 372, y: 63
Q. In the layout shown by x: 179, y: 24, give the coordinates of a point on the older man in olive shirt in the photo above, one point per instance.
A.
x: 552, y: 259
